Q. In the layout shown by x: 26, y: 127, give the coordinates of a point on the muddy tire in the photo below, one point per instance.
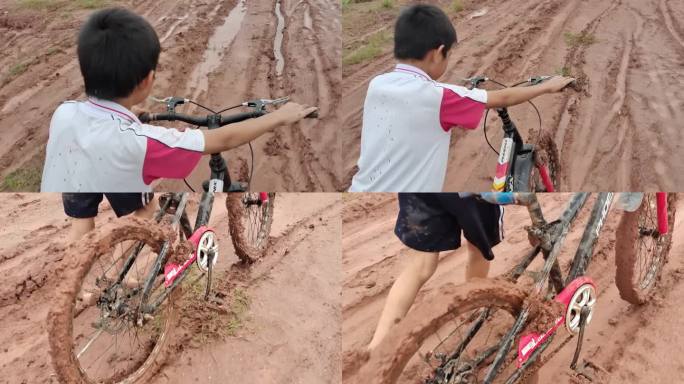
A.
x: 547, y: 154
x: 249, y: 222
x: 79, y: 261
x: 390, y: 359
x: 639, y: 256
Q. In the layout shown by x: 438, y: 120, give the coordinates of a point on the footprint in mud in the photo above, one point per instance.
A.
x: 45, y: 230
x: 28, y: 203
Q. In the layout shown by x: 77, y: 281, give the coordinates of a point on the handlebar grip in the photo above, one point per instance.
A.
x: 146, y: 117
x: 225, y: 120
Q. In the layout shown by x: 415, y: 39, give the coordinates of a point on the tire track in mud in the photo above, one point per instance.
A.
x: 309, y: 73
x: 575, y: 60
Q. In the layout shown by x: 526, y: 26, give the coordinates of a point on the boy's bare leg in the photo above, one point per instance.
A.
x: 421, y: 266
x: 80, y: 227
x: 147, y: 212
x: 478, y: 266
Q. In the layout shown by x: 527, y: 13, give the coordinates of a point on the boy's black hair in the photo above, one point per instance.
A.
x: 117, y: 49
x: 421, y: 28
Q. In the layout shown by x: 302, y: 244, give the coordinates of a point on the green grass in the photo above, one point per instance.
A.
x: 372, y: 49
x: 17, y: 69
x: 55, y: 4
x: 238, y: 310
x: 577, y: 39
x: 565, y: 71
x: 37, y: 4
x: 22, y: 180
x: 388, y: 4
x: 90, y: 4
x: 456, y: 6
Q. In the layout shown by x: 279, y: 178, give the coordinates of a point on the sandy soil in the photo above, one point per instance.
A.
x: 217, y: 53
x: 289, y: 334
x: 620, y: 132
x: 632, y: 344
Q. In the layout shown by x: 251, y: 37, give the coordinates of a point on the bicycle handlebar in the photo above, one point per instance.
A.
x: 215, y: 120
x: 473, y: 82
x: 220, y: 120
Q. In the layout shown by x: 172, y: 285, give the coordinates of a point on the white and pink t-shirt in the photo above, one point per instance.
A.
x: 100, y: 146
x: 407, y: 121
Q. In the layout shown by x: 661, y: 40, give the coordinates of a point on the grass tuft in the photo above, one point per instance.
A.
x: 56, y: 4
x: 579, y: 39
x: 372, y: 49
x: 22, y: 180
x: 456, y: 6
x: 388, y: 4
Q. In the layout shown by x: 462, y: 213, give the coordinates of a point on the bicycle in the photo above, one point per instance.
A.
x: 115, y: 309
x: 522, y: 167
x: 220, y: 180
x: 496, y: 330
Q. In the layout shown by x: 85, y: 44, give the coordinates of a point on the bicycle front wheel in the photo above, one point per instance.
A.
x: 249, y: 219
x: 97, y: 331
x: 640, y: 249
x: 452, y: 337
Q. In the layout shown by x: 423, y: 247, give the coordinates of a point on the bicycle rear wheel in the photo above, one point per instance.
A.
x: 95, y: 329
x: 439, y: 343
x: 640, y: 250
x: 547, y: 155
x: 249, y: 219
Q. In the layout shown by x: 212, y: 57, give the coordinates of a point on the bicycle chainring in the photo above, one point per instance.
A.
x: 208, y: 245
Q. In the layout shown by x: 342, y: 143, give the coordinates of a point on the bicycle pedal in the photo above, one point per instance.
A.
x: 591, y: 372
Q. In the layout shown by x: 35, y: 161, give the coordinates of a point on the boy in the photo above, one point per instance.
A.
x: 100, y: 146
x: 408, y: 116
x: 430, y: 223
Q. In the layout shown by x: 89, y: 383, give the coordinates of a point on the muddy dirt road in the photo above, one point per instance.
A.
x: 288, y: 332
x: 632, y: 344
x: 218, y: 53
x: 621, y: 132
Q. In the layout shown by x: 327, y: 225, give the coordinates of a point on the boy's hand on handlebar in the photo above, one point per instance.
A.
x: 291, y: 113
x: 558, y: 83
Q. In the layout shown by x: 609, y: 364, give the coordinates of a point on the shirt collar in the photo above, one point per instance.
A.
x: 406, y: 68
x: 109, y: 106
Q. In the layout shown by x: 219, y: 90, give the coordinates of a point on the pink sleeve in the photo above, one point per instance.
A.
x: 457, y: 110
x: 162, y: 161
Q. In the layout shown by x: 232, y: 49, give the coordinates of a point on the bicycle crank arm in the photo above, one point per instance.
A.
x: 584, y: 315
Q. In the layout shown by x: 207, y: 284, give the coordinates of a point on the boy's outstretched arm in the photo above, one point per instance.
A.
x: 234, y: 135
x: 513, y: 96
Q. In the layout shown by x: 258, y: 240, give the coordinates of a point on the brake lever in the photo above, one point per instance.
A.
x: 474, y: 82
x: 260, y: 104
x: 171, y: 102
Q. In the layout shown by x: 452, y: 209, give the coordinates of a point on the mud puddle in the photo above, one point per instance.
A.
x: 278, y: 42
x: 218, y: 43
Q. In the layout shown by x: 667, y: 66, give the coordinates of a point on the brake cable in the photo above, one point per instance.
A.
x: 484, y: 123
x: 251, y: 149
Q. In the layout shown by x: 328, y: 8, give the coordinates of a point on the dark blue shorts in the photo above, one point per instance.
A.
x: 433, y: 222
x: 85, y: 205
